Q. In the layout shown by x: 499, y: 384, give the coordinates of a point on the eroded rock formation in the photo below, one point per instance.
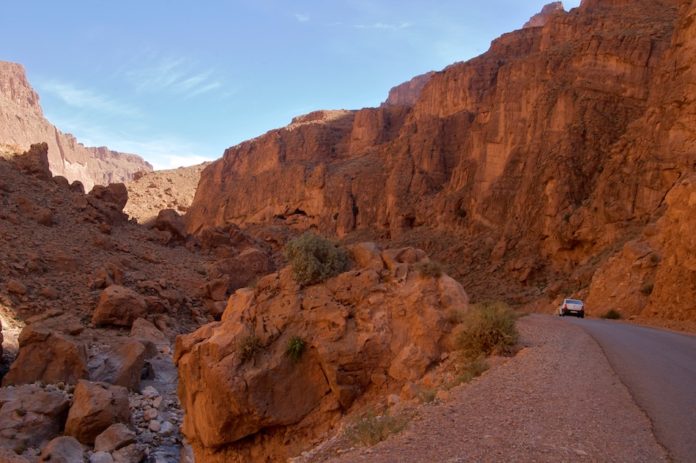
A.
x: 286, y: 362
x: 22, y: 123
x: 530, y: 164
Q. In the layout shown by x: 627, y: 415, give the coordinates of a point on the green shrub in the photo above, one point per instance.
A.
x: 488, y: 328
x: 611, y: 314
x: 248, y: 347
x: 314, y: 259
x: 429, y: 268
x: 371, y: 429
x: 295, y: 349
x: 427, y: 395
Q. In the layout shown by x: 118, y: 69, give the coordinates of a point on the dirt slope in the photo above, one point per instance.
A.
x: 150, y: 192
x: 557, y: 400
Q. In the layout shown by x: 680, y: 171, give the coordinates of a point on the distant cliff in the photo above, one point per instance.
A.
x: 22, y: 123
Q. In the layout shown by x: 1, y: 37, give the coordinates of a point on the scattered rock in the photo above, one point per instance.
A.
x: 47, y: 356
x: 63, y: 449
x: 101, y: 457
x: 148, y: 334
x: 114, y: 193
x: 122, y: 365
x: 118, y: 306
x: 170, y: 221
x: 96, y: 406
x: 16, y: 287
x: 128, y: 454
x: 30, y: 415
x: 113, y: 438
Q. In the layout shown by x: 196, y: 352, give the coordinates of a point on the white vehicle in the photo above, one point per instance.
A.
x: 572, y: 307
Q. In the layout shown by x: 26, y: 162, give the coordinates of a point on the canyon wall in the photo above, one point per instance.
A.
x: 22, y: 123
x: 539, y: 159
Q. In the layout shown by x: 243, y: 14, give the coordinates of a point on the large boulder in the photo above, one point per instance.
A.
x: 96, y: 406
x: 168, y: 220
x: 121, y: 365
x: 284, y: 354
x: 48, y: 356
x: 119, y: 306
x: 31, y: 415
x: 114, y: 193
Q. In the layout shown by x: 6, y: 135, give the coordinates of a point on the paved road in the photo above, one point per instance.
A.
x: 659, y: 368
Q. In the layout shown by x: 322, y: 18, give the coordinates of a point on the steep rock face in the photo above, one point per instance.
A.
x: 539, y: 159
x: 22, y: 123
x: 151, y: 192
x: 540, y: 19
x: 407, y: 93
x: 367, y: 331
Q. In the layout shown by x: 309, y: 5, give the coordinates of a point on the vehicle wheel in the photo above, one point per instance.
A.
x: 581, y: 315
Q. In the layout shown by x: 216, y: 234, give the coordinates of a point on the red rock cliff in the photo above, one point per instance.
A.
x: 542, y: 155
x: 22, y: 123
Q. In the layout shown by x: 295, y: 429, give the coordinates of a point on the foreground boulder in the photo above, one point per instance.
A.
x: 283, y: 356
x: 31, y: 415
x: 119, y: 306
x: 121, y: 365
x: 96, y: 406
x: 47, y: 356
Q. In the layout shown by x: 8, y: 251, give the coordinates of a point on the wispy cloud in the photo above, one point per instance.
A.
x: 303, y: 18
x: 83, y: 98
x: 174, y: 75
x: 384, y: 26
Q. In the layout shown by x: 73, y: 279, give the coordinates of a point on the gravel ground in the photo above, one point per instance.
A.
x: 557, y: 400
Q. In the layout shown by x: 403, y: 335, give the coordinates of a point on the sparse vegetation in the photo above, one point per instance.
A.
x: 314, y: 259
x: 248, y: 347
x: 427, y: 395
x: 455, y: 316
x: 611, y: 314
x: 470, y: 370
x: 489, y: 328
x: 295, y: 349
x: 371, y: 429
x: 429, y: 268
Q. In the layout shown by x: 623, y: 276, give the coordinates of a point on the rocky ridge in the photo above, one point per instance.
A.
x: 286, y: 363
x: 524, y: 169
x: 22, y: 123
x: 69, y: 259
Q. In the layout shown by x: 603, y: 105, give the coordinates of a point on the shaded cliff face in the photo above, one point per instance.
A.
x: 538, y: 159
x: 22, y: 123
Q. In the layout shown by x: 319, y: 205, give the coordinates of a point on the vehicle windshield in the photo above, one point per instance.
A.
x: 573, y: 301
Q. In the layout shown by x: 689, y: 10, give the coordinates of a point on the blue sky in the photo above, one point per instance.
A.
x: 179, y: 81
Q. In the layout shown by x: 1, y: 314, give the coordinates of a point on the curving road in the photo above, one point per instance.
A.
x: 659, y: 368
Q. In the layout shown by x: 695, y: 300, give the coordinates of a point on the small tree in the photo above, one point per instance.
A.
x: 314, y: 259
